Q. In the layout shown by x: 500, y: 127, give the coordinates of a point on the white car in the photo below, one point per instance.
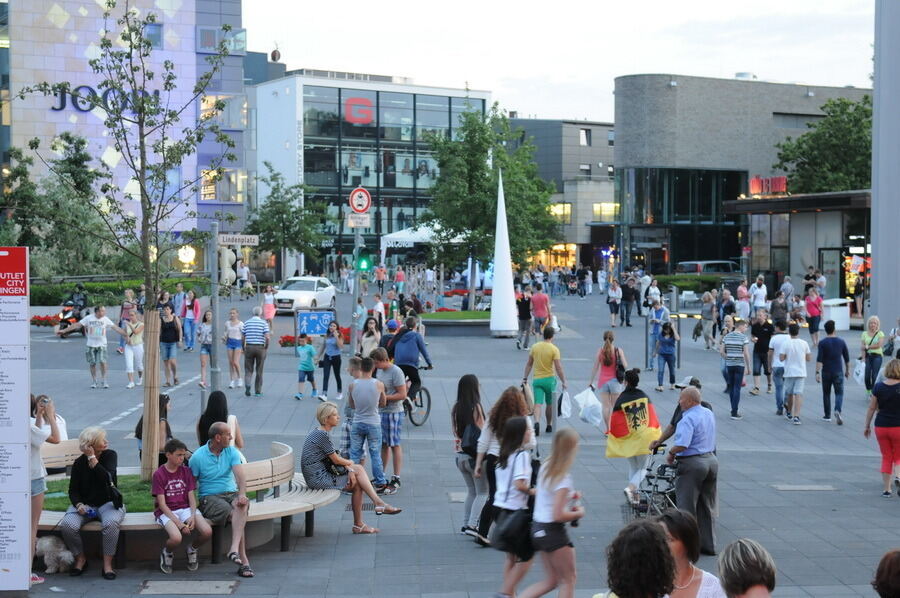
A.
x: 304, y: 291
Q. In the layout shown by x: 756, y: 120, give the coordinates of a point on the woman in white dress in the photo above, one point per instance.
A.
x: 684, y: 542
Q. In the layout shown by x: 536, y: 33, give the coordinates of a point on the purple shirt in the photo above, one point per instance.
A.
x: 174, y: 486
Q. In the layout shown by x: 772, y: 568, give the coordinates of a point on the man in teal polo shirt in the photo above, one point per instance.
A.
x: 223, y: 490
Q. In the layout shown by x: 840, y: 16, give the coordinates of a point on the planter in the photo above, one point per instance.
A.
x: 461, y: 327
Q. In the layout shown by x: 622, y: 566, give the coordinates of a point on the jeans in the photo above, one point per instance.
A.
x: 778, y: 379
x: 331, y: 362
x: 724, y: 371
x: 760, y: 363
x: 360, y: 433
x: 735, y: 378
x: 122, y: 324
x: 651, y: 346
x: 626, y: 317
x: 829, y: 380
x: 662, y: 361
x: 873, y: 366
x: 478, y: 489
x: 190, y: 332
x: 525, y: 328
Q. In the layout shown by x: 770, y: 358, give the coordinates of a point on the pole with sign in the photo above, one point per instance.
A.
x: 360, y: 202
x: 15, y: 445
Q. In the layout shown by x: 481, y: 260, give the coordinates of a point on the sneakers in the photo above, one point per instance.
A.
x: 548, y: 429
x: 470, y: 531
x: 838, y: 419
x: 259, y: 394
x: 737, y: 416
x: 769, y: 390
x: 322, y: 398
x: 140, y: 381
x: 779, y: 412
x: 395, y: 481
x: 239, y: 383
x: 36, y: 579
x: 246, y: 391
x: 105, y: 384
x: 231, y: 384
x: 755, y: 391
x: 787, y: 414
x: 796, y: 421
x: 537, y: 429
x: 94, y: 384
x: 166, y: 559
x: 826, y: 419
x: 391, y: 487
x: 659, y: 389
x: 129, y: 385
x: 339, y: 396
x: 886, y: 494
x: 518, y: 344
x: 299, y: 396
x: 192, y: 559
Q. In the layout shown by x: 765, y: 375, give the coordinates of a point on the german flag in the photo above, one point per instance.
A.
x: 633, y: 425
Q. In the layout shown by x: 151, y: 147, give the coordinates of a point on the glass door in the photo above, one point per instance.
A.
x: 830, y: 265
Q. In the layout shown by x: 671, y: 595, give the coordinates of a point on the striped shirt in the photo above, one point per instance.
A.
x: 255, y: 330
x: 734, y: 347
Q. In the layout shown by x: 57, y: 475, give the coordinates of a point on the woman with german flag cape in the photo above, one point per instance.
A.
x: 633, y: 425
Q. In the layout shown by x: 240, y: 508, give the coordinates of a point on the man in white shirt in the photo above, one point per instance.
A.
x: 795, y: 353
x: 644, y: 285
x: 776, y: 345
x: 758, y: 292
x: 95, y: 326
x: 243, y: 276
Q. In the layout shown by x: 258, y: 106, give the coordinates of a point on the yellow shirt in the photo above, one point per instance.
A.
x: 544, y: 353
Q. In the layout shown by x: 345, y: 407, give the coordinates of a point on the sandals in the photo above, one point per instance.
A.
x: 387, y: 510
x: 245, y: 571
x: 235, y: 558
x: 364, y: 529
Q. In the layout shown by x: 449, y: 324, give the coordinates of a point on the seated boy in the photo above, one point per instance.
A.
x: 306, y: 367
x: 176, y: 506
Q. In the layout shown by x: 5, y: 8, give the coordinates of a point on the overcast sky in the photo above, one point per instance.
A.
x: 559, y: 59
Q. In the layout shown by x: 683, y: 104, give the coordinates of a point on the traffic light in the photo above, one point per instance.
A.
x: 363, y: 261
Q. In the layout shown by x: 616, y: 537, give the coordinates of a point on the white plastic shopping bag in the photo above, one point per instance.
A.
x: 859, y: 372
x: 554, y: 323
x: 586, y: 397
x: 589, y: 408
x: 565, y: 405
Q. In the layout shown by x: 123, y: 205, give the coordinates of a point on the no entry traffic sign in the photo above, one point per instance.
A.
x: 360, y: 200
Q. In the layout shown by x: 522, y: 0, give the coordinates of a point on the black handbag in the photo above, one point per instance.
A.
x: 115, y: 495
x: 512, y: 529
x: 469, y: 440
x: 333, y: 468
x: 620, y: 369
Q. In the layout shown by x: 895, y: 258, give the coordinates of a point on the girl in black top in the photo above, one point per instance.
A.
x: 169, y: 337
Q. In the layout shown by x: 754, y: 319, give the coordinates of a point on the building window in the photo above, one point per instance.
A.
x: 606, y: 211
x: 584, y: 169
x: 153, y: 32
x: 562, y: 212
x: 209, y: 38
x: 610, y: 170
x: 233, y: 115
x: 610, y: 138
x: 584, y: 137
x: 230, y: 187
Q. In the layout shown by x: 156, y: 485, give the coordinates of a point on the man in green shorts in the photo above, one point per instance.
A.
x: 544, y: 357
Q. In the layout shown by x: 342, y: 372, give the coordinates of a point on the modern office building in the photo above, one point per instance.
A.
x: 336, y: 131
x: 685, y: 145
x: 577, y: 156
x: 53, y: 41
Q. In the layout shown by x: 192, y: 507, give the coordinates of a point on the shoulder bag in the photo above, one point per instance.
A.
x: 469, y: 440
x: 620, y: 369
x: 888, y: 347
x: 114, y: 494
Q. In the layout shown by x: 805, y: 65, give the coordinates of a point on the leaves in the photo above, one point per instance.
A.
x: 836, y: 153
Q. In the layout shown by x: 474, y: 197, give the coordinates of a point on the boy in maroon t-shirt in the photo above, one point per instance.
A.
x: 176, y: 506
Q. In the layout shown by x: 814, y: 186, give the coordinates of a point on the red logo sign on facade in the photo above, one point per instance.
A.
x: 13, y: 271
x: 765, y: 185
x: 358, y: 111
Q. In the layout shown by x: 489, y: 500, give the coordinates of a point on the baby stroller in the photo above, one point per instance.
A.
x: 572, y: 286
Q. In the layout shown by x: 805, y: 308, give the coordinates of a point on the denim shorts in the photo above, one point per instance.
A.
x: 306, y: 376
x: 793, y: 385
x: 233, y: 343
x: 167, y: 351
x: 38, y: 486
x: 611, y: 386
x: 206, y: 349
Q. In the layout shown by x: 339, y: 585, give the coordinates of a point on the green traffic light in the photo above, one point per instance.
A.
x: 364, y: 263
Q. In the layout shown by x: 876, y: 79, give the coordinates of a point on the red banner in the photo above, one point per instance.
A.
x: 13, y: 271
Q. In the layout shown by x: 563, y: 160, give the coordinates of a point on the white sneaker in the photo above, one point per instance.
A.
x: 323, y: 398
x: 239, y: 383
x: 231, y: 384
x: 165, y: 561
x: 94, y: 384
x: 129, y: 385
x: 339, y: 396
x: 105, y: 384
x: 192, y: 559
x: 140, y: 381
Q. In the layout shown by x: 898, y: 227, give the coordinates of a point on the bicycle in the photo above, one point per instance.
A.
x: 418, y: 408
x: 656, y: 493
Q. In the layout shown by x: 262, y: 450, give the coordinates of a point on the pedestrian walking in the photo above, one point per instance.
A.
x: 95, y: 326
x: 708, y: 319
x: 545, y: 358
x: 234, y: 346
x: 795, y: 354
x: 134, y: 349
x: 556, y: 503
x: 694, y: 446
x: 540, y: 309
x: 379, y: 314
x: 776, y: 346
x: 832, y: 368
x: 665, y: 351
x: 821, y: 283
x: 141, y: 300
x: 255, y: 334
x: 659, y: 314
x: 170, y: 334
x: 650, y: 295
x: 814, y: 315
x: 400, y: 279
x: 872, y: 341
x: 128, y: 305
x: 630, y: 297
x: 380, y: 277
x: 330, y: 359
x: 735, y: 349
x: 885, y: 407
x: 726, y: 307
x: 779, y: 308
x: 761, y: 332
x: 269, y: 306
x: 365, y: 395
x: 787, y: 290
x: 611, y: 365
x: 614, y: 300
x: 190, y: 317
x: 369, y: 337
x: 178, y: 299
x: 758, y: 295
x: 243, y: 277
x: 630, y: 437
x: 163, y: 299
x: 467, y: 419
x: 205, y: 340
x: 523, y: 308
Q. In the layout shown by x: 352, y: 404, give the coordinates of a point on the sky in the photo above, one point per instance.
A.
x: 560, y: 59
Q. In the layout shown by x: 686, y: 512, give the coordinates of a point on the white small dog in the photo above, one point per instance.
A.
x: 57, y: 557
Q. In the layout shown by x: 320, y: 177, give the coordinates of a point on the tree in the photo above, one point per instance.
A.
x: 143, y: 110
x: 464, y: 204
x: 285, y: 222
x: 835, y: 154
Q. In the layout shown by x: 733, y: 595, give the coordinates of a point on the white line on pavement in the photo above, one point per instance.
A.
x: 140, y: 405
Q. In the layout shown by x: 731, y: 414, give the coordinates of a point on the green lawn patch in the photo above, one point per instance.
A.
x: 457, y: 315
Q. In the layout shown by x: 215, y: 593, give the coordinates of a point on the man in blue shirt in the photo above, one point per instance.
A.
x: 698, y: 468
x: 222, y: 489
x: 408, y: 345
x: 832, y: 366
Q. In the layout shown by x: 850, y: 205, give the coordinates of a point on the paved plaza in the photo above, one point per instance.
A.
x: 811, y: 494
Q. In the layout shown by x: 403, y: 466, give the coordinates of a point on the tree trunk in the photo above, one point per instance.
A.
x: 150, y: 442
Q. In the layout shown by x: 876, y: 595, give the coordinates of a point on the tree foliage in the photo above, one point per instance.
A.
x: 464, y: 204
x: 285, y: 221
x: 835, y: 154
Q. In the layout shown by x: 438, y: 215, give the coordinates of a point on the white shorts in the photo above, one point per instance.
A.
x: 182, y: 514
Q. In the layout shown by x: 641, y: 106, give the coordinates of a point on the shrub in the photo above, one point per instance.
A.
x: 288, y: 340
x: 107, y: 293
x: 44, y: 320
x: 688, y: 282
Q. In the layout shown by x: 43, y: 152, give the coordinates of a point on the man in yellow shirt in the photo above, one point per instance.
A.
x: 544, y: 357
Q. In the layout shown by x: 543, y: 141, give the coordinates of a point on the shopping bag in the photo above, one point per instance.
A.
x: 565, y: 405
x: 593, y: 415
x: 554, y: 323
x: 859, y: 371
x: 529, y: 398
x: 585, y: 397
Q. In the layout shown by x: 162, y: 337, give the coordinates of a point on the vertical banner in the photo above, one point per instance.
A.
x: 15, y: 388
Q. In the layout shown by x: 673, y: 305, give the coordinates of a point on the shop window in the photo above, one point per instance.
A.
x: 395, y: 116
x: 584, y: 137
x: 426, y: 171
x: 584, y: 170
x: 606, y: 211
x: 320, y: 166
x: 358, y: 118
x: 397, y: 169
x: 320, y: 111
x: 432, y: 116
x: 562, y: 212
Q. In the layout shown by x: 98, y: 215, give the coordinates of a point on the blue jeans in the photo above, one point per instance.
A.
x: 122, y: 324
x: 735, y: 378
x: 654, y: 338
x: 190, y: 332
x: 829, y: 380
x: 360, y: 433
x: 873, y: 366
x: 724, y: 371
x: 778, y: 379
x: 662, y: 360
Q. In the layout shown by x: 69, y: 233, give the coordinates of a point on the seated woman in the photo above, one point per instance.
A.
x: 91, y: 498
x: 639, y: 563
x: 319, y: 460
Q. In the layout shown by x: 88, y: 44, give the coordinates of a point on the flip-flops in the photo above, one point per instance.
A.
x: 235, y: 558
x: 245, y: 571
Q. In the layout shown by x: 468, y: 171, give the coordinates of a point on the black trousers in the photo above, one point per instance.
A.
x: 415, y: 383
x: 488, y: 468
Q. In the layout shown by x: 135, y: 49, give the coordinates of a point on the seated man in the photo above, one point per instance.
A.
x: 223, y: 490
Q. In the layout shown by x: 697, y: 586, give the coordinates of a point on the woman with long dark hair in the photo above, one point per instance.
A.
x: 370, y: 337
x: 330, y: 355
x: 467, y: 418
x: 217, y: 411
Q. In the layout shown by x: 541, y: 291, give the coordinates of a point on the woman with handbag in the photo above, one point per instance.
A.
x: 323, y: 468
x: 614, y: 300
x: 556, y: 503
x: 872, y: 340
x: 93, y: 494
x: 510, y: 404
x: 512, y: 531
x: 612, y: 364
x: 467, y: 420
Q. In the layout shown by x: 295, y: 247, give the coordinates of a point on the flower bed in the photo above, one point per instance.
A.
x: 464, y: 292
x: 48, y: 321
x: 289, y: 340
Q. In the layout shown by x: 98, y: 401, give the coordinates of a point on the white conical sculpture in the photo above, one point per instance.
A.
x: 504, y: 323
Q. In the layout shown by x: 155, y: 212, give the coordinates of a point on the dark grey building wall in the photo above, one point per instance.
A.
x: 258, y: 69
x: 702, y: 122
x: 559, y: 152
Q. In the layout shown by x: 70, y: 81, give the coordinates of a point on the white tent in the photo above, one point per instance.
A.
x: 407, y: 238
